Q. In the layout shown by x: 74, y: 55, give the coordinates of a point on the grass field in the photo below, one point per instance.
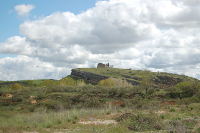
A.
x: 179, y: 118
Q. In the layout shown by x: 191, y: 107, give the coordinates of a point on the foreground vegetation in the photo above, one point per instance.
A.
x: 113, y: 105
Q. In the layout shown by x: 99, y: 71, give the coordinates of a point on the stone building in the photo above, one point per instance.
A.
x: 101, y: 65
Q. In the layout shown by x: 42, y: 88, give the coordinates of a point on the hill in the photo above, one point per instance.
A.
x: 158, y: 79
x: 21, y: 82
x: 75, y: 106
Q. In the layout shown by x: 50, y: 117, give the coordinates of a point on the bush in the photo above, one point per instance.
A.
x: 80, y: 83
x: 30, y: 83
x: 67, y: 82
x: 114, y: 82
x: 174, y: 94
x: 106, y: 82
x: 54, y: 105
x: 143, y: 122
x: 188, y: 88
x: 187, y: 101
x: 181, y: 126
x: 16, y: 86
x: 172, y: 110
x: 150, y: 91
x: 136, y: 102
x: 4, y: 103
x: 121, y: 83
x: 172, y: 89
x: 47, y: 83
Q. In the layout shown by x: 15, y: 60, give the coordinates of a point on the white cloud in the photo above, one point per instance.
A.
x: 155, y: 35
x: 23, y: 67
x: 16, y: 45
x: 23, y: 10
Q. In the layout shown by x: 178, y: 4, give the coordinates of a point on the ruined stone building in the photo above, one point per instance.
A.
x: 101, y: 65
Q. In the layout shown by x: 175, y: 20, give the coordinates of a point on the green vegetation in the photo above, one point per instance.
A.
x: 123, y: 73
x: 113, y: 105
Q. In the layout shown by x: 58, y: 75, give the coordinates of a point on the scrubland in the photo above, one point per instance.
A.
x: 111, y: 106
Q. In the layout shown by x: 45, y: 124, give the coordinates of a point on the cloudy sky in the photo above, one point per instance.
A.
x: 46, y: 39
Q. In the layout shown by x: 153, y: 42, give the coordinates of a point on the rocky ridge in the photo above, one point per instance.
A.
x: 161, y: 81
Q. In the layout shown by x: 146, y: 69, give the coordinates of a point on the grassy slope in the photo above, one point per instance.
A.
x: 119, y: 73
x: 21, y: 82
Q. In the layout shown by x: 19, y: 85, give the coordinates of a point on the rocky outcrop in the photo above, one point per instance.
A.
x: 92, y: 78
x: 167, y: 80
x: 161, y: 81
x: 130, y: 77
x: 133, y: 82
x: 88, y: 77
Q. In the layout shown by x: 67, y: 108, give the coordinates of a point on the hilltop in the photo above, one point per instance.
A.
x: 94, y: 75
x: 158, y: 79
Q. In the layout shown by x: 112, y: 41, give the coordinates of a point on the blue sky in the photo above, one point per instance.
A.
x: 42, y: 39
x: 10, y: 21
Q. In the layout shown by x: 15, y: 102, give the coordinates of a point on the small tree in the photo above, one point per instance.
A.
x: 30, y: 83
x: 106, y: 82
x: 80, y: 82
x: 121, y: 82
x: 66, y: 81
x: 16, y: 86
x: 146, y: 80
x: 187, y: 88
x: 114, y: 82
x: 47, y: 83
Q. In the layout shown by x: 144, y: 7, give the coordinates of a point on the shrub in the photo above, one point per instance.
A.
x: 115, y: 82
x: 172, y: 110
x: 187, y: 88
x: 113, y: 91
x: 121, y: 83
x: 54, y: 105
x: 90, y: 101
x: 106, y: 82
x: 188, y: 100
x: 30, y: 83
x: 181, y: 126
x: 143, y: 122
x: 1, y: 92
x: 4, y: 103
x: 146, y: 80
x: 174, y: 94
x: 47, y: 83
x: 67, y: 82
x: 80, y: 83
x: 150, y: 91
x: 135, y: 102
x: 172, y: 89
x: 16, y: 86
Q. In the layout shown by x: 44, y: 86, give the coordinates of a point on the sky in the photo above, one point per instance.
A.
x: 46, y: 39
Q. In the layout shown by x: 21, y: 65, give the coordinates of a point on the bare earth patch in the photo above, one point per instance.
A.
x: 98, y: 122
x: 161, y: 111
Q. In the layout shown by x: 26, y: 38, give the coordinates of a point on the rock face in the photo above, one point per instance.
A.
x: 88, y: 77
x: 167, y: 80
x: 162, y: 81
x: 92, y: 78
